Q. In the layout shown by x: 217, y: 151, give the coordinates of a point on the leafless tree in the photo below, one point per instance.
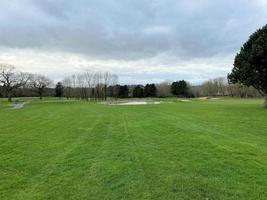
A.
x: 208, y: 88
x: 220, y: 85
x: 67, y: 87
x: 114, y: 82
x: 40, y: 83
x: 97, y: 85
x: 107, y: 82
x: 90, y: 85
x: 163, y: 89
x: 82, y: 86
x: 11, y: 79
x: 214, y: 87
x: 241, y: 91
x: 74, y: 86
x: 89, y: 81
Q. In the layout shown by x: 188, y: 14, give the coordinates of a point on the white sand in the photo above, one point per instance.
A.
x: 203, y: 98
x: 18, y: 105
x: 134, y: 103
x: 184, y: 100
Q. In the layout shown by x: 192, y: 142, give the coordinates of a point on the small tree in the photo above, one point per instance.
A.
x: 179, y: 88
x: 10, y: 79
x: 40, y: 83
x: 59, y: 89
x: 250, y: 66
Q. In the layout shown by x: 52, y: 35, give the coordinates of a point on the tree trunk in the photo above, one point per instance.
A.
x: 265, y: 102
x: 9, y: 97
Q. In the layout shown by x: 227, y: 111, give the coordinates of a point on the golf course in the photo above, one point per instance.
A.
x: 200, y: 149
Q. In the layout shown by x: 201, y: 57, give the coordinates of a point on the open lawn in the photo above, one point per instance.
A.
x: 201, y: 149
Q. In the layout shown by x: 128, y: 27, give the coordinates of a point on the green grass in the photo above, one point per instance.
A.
x: 213, y: 149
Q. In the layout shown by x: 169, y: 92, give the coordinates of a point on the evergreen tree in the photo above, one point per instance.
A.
x: 250, y: 66
x: 138, y: 91
x: 59, y: 89
x: 124, y: 91
x: 150, y: 90
x: 180, y: 88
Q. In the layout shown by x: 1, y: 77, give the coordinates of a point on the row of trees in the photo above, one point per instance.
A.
x: 89, y: 85
x: 86, y: 86
x: 11, y: 80
x: 99, y: 86
x: 221, y: 87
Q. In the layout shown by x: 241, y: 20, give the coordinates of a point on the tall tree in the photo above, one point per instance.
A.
x: 124, y: 91
x: 40, y: 83
x: 250, y: 65
x: 107, y: 81
x: 179, y: 88
x: 59, y: 90
x: 163, y: 89
x: 10, y: 79
x: 138, y: 91
x: 67, y: 87
x: 116, y: 91
x: 150, y: 90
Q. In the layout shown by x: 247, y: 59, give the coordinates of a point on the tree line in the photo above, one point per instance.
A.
x: 98, y: 86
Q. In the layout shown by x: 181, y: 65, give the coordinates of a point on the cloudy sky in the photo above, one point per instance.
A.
x: 140, y: 40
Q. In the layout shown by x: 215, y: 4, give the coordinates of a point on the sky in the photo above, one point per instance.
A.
x: 142, y: 41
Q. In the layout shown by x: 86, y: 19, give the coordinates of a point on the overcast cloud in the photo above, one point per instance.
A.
x: 141, y: 40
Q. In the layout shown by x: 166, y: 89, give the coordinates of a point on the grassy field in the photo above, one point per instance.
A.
x: 202, y: 149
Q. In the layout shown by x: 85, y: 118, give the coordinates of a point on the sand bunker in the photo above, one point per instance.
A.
x: 134, y: 103
x: 185, y: 100
x: 202, y: 98
x: 18, y: 105
x: 208, y: 98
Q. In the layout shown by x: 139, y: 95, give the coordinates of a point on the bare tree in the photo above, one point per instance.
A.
x: 74, y: 86
x: 221, y: 85
x: 114, y: 82
x: 107, y: 82
x: 10, y: 79
x: 67, y: 87
x: 91, y: 85
x: 89, y: 81
x: 208, y: 88
x: 40, y: 83
x: 163, y: 89
x: 98, y: 85
x: 241, y: 91
x: 214, y: 87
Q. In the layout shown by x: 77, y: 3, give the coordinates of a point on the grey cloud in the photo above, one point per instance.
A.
x: 130, y: 30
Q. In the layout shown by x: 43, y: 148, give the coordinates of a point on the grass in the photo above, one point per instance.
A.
x: 210, y: 149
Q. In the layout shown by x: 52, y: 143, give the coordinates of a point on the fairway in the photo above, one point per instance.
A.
x: 195, y: 150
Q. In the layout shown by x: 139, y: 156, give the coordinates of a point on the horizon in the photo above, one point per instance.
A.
x: 141, y: 41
